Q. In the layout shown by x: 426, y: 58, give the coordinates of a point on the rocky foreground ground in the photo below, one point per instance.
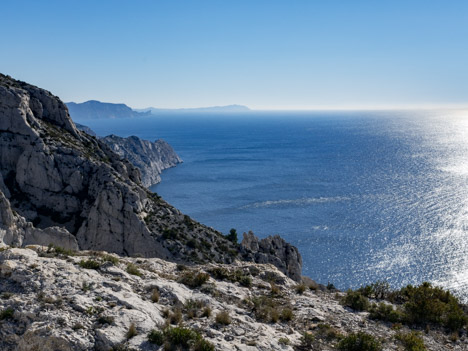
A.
x: 55, y: 299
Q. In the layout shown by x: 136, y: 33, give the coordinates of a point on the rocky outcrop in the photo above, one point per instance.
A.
x: 85, y: 129
x: 151, y: 158
x: 273, y: 250
x: 53, y: 176
x: 50, y: 301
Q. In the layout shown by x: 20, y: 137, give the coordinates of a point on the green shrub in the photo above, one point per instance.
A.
x: 328, y: 332
x: 180, y: 337
x: 307, y: 340
x: 379, y: 290
x: 356, y: 300
x: 287, y: 314
x: 385, y: 312
x: 89, y: 264
x: 170, y: 234
x: 427, y: 304
x: 411, y: 341
x: 193, y: 307
x: 106, y: 320
x: 284, y: 341
x: 112, y: 259
x: 7, y: 313
x: 156, y: 337
x: 232, y: 236
x: 203, y: 345
x: 223, y: 318
x: 359, y: 342
x: 193, y: 280
x: 133, y: 269
x: 245, y: 281
x: 60, y: 250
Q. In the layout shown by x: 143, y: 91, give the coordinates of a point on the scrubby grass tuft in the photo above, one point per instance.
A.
x: 133, y: 269
x: 223, y: 318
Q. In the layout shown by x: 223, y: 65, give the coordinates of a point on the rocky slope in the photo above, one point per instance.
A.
x: 62, y: 186
x: 151, y: 158
x: 52, y: 299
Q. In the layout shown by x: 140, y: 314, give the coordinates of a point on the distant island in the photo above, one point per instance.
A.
x: 94, y: 109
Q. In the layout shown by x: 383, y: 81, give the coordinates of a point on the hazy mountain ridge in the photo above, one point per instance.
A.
x: 94, y: 109
x: 210, y: 109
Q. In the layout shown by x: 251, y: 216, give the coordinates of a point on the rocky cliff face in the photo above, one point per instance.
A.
x: 151, y: 158
x: 59, y: 185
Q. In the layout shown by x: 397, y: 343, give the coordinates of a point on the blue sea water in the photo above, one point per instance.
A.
x: 365, y: 196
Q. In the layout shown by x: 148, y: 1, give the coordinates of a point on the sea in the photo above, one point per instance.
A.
x: 365, y: 195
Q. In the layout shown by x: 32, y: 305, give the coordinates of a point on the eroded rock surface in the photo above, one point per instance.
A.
x: 274, y: 250
x: 151, y: 158
x: 54, y: 303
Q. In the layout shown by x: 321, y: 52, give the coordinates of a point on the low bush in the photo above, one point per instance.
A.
x: 89, y: 264
x: 307, y: 340
x: 267, y: 309
x: 359, y: 342
x: 105, y: 320
x: 193, y: 307
x: 327, y: 332
x: 194, y: 280
x: 411, y: 341
x: 287, y: 314
x: 386, y: 313
x: 356, y: 301
x: 7, y: 313
x: 57, y: 250
x: 426, y: 304
x: 156, y: 337
x: 379, y: 290
x: 175, y: 338
x: 133, y: 269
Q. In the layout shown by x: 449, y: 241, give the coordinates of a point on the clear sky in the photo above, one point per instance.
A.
x: 268, y: 54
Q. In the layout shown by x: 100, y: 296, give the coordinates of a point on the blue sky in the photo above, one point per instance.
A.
x: 271, y: 54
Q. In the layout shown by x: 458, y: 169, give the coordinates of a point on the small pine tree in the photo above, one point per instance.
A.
x: 232, y: 236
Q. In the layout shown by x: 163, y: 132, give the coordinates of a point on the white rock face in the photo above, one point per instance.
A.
x: 58, y: 305
x: 151, y: 158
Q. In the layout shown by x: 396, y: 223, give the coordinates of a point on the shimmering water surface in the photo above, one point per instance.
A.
x: 365, y: 196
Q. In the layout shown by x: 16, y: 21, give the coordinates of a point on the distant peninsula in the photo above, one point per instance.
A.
x: 94, y: 109
x: 218, y: 109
